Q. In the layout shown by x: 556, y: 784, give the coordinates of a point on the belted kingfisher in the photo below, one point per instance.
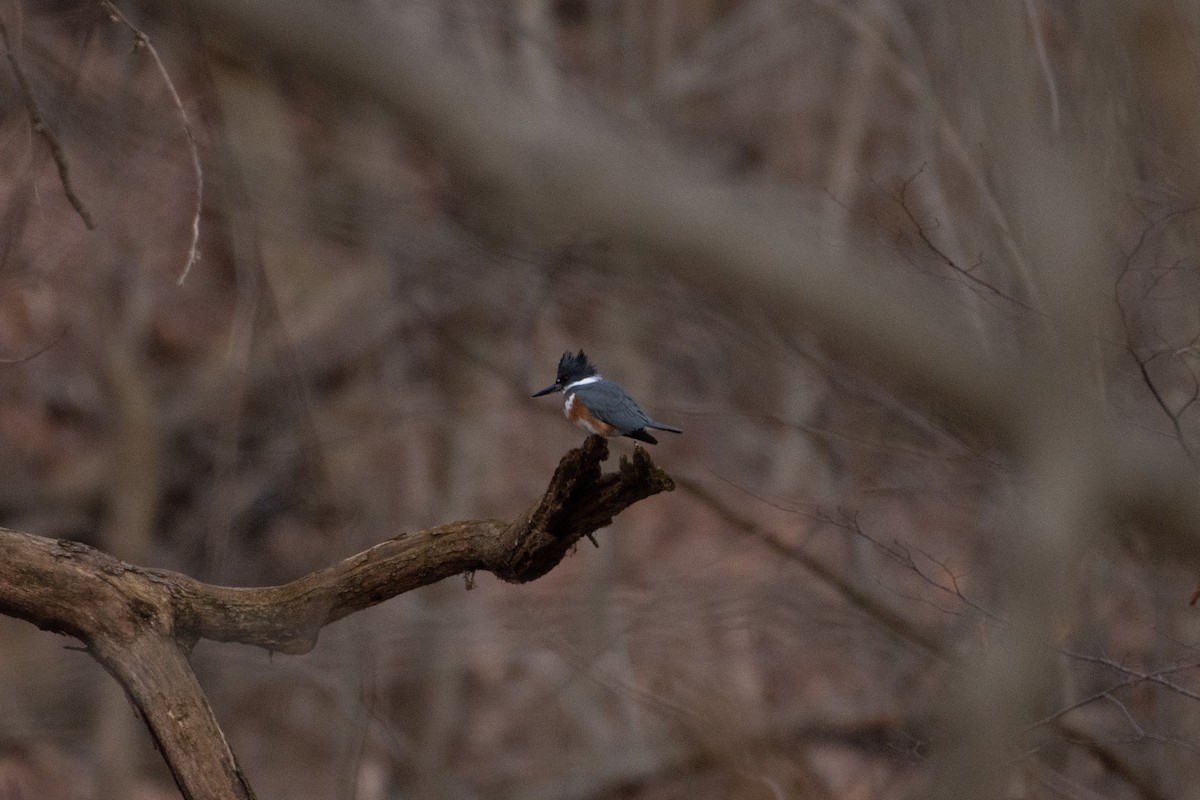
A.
x: 599, y: 406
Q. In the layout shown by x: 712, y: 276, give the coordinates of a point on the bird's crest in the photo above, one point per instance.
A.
x: 573, y: 367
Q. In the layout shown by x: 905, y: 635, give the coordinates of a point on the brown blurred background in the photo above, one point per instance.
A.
x: 352, y: 354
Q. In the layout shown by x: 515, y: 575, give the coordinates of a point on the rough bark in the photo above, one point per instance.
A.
x: 141, y: 623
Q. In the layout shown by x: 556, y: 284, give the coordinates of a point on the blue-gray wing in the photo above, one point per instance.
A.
x: 611, y: 404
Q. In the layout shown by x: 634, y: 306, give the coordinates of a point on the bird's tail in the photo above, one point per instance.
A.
x: 658, y: 426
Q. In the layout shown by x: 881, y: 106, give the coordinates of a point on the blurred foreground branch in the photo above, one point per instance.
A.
x: 140, y: 624
x: 535, y: 166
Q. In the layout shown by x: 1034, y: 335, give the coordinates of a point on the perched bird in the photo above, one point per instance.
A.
x: 599, y: 406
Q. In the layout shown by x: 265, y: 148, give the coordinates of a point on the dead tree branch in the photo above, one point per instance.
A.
x: 140, y: 624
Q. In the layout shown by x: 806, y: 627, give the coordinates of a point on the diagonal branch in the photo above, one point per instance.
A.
x: 140, y: 623
x: 143, y: 42
x: 43, y: 129
x: 579, y: 500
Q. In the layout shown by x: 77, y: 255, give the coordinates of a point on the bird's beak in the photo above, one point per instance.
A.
x: 552, y: 387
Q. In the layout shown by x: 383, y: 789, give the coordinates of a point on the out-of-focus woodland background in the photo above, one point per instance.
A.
x: 352, y: 353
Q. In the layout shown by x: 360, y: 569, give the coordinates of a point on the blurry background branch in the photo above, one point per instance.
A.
x: 42, y: 128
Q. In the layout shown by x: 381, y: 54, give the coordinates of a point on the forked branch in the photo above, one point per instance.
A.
x: 140, y: 623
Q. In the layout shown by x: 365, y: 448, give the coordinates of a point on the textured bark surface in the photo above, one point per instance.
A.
x: 141, y: 623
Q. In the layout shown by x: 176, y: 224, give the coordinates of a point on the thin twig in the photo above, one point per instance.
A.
x: 22, y: 359
x: 858, y: 597
x: 927, y: 240
x: 143, y: 42
x: 1153, y: 677
x: 1143, y: 364
x: 43, y: 129
x: 1115, y: 762
x: 921, y: 93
